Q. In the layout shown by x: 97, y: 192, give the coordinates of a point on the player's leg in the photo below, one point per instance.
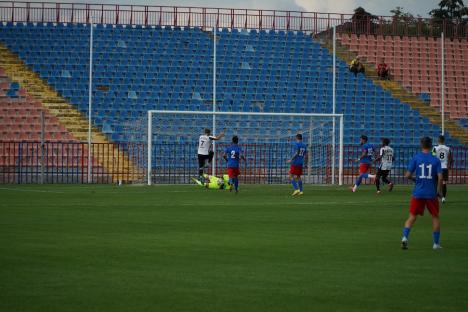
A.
x: 444, y: 184
x: 386, y: 180
x: 407, y: 229
x: 433, y: 207
x: 363, y: 174
x: 377, y: 180
x: 231, y: 179
x: 236, y: 181
x: 201, y: 167
x: 416, y: 208
x: 292, y: 178
x: 299, y: 183
x: 294, y: 184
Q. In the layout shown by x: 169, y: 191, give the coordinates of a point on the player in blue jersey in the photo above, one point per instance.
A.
x: 297, y: 163
x: 424, y: 169
x: 365, y: 161
x: 233, y: 154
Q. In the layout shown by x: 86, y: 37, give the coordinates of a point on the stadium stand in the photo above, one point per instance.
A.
x: 20, y: 117
x: 138, y: 68
x: 415, y: 62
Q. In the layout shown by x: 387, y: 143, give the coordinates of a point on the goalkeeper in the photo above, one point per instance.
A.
x: 212, y: 182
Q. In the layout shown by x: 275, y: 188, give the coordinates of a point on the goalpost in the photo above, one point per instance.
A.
x: 265, y: 137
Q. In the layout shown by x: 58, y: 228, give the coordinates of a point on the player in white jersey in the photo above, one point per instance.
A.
x: 386, y: 157
x: 444, y: 154
x: 205, y: 151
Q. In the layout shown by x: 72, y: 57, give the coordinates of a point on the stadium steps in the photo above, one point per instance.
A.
x: 111, y: 158
x: 399, y: 92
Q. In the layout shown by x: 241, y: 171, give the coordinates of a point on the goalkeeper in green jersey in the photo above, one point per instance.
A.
x: 214, y: 183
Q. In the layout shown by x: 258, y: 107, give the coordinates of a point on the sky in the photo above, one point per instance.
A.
x: 376, y: 7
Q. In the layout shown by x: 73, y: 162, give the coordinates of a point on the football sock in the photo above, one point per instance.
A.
x: 436, y: 236
x: 300, y: 185
x: 377, y: 184
x: 294, y: 184
x: 359, y: 180
x: 406, y: 232
x: 371, y: 176
x: 230, y: 181
x: 444, y: 190
x: 236, y: 183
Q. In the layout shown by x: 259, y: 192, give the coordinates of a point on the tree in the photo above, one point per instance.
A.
x: 400, y: 16
x: 360, y: 14
x: 454, y: 10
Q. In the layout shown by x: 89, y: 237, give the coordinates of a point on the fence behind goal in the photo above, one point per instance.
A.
x: 31, y: 162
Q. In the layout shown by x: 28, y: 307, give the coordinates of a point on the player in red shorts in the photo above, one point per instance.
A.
x: 297, y: 163
x: 424, y: 169
x: 232, y: 155
x: 365, y: 161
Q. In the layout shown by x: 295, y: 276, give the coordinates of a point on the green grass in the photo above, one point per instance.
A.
x: 181, y: 248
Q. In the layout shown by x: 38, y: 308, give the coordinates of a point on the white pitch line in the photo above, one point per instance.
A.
x: 33, y: 191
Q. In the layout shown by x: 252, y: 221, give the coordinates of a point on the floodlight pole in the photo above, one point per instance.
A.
x: 334, y: 105
x: 442, y: 82
x: 213, y: 163
x: 90, y: 103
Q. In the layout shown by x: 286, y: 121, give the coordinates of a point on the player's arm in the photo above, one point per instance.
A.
x: 363, y: 154
x: 410, y: 170
x: 294, y: 157
x: 225, y: 156
x: 306, y: 158
x: 218, y: 137
x: 379, y: 157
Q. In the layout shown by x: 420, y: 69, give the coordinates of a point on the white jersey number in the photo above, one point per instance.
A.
x: 423, y: 173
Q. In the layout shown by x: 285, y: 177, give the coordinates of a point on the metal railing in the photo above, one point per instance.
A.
x: 310, y: 22
x: 32, y: 162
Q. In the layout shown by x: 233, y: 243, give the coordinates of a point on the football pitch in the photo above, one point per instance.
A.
x: 183, y: 248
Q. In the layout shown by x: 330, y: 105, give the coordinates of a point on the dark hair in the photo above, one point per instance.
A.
x: 385, y: 141
x: 235, y: 139
x: 426, y: 142
x: 299, y: 136
x: 441, y: 138
x: 364, y: 137
x: 207, y: 131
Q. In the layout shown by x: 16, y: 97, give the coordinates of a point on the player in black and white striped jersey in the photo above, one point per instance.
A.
x: 444, y: 154
x: 386, y: 158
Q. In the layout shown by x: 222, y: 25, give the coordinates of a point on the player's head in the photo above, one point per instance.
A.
x: 385, y: 141
x: 426, y: 143
x: 235, y: 139
x: 299, y: 137
x: 364, y: 139
x: 207, y: 131
x: 441, y: 139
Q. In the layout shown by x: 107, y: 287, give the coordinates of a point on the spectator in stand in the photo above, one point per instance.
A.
x: 356, y: 66
x: 383, y: 70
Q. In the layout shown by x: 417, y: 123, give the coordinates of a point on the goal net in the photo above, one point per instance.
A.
x: 266, y: 140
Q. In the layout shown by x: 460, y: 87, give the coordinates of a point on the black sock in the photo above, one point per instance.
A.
x: 377, y: 184
x: 444, y: 190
